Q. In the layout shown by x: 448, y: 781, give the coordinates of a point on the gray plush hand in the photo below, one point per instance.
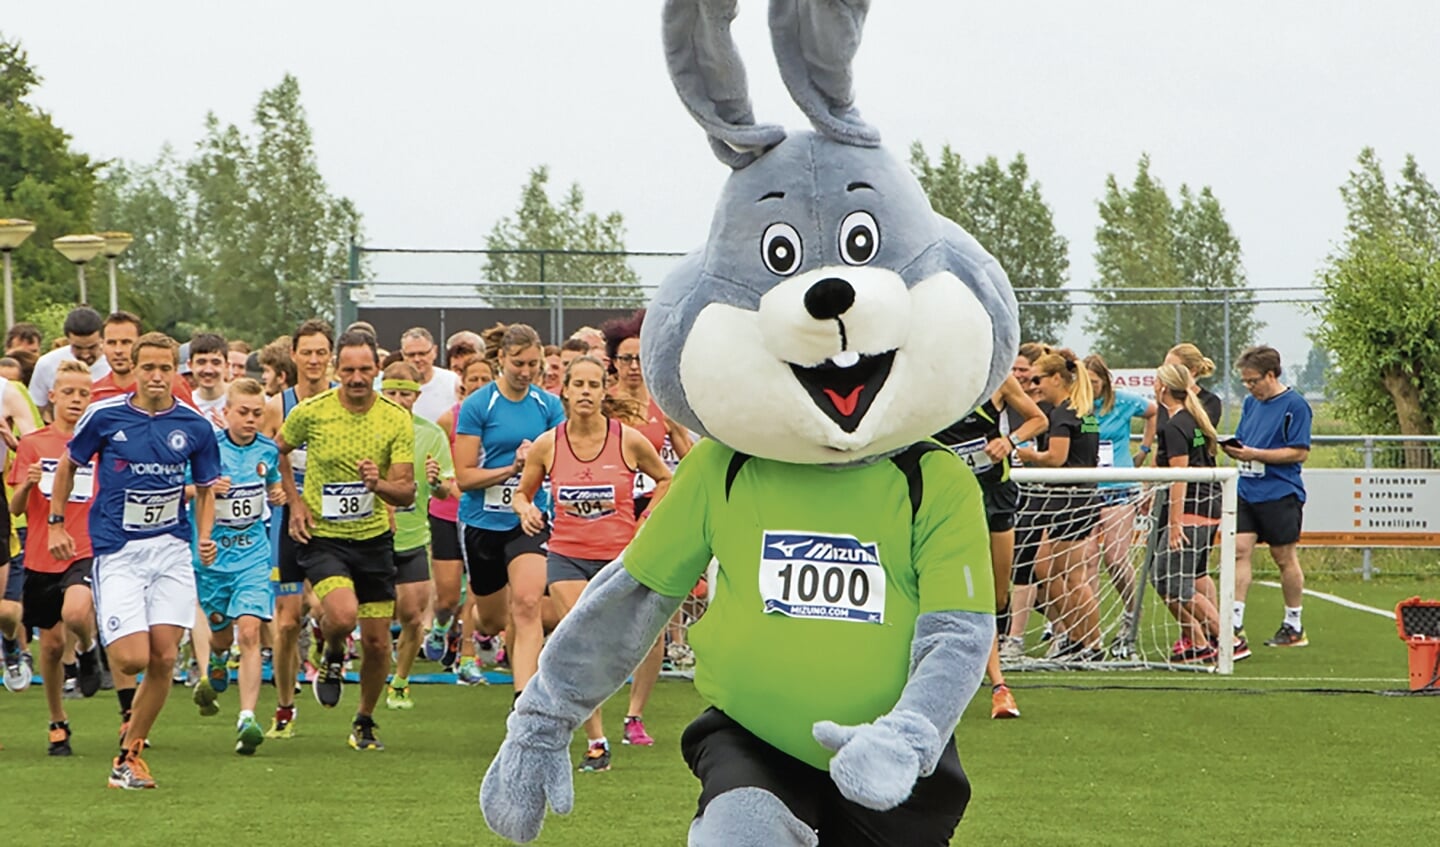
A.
x: 531, y: 768
x: 875, y: 764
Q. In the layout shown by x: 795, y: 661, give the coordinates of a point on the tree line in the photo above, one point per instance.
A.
x: 242, y: 234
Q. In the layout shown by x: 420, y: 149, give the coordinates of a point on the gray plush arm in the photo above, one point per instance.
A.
x: 616, y: 613
x: 876, y: 764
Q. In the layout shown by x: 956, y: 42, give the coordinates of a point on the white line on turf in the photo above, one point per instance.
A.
x: 1339, y: 601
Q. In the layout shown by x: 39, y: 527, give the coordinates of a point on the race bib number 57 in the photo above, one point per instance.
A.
x: 813, y: 575
x: 152, y: 510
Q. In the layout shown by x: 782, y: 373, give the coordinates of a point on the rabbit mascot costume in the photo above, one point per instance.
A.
x: 829, y: 325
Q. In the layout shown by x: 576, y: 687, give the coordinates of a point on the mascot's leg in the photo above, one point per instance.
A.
x: 750, y: 817
x: 751, y: 795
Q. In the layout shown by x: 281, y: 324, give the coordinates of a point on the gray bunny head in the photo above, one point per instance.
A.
x: 831, y: 317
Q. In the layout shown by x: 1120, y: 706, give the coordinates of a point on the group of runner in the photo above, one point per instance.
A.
x: 191, y: 497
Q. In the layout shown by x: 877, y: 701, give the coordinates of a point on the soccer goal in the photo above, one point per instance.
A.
x: 1101, y: 586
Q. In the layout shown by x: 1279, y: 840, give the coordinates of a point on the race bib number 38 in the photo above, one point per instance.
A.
x: 346, y: 501
x: 152, y: 510
x: 241, y: 506
x: 811, y: 575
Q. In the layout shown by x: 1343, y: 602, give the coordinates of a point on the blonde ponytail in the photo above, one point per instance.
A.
x: 1175, y: 380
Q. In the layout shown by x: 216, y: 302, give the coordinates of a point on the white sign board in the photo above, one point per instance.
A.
x: 1371, y: 508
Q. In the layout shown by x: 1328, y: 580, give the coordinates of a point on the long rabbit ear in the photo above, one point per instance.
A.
x: 710, y: 79
x: 815, y: 43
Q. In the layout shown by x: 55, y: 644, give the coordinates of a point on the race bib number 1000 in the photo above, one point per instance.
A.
x: 346, y: 501
x: 152, y: 510
x: 811, y: 575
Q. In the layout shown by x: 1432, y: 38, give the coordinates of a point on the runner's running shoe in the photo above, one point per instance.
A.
x: 219, y: 673
x: 17, y: 671
x: 470, y: 673
x: 90, y: 677
x: 283, y: 724
x: 435, y: 642
x: 399, y: 698
x: 329, y: 683
x: 205, y: 698
x: 362, y: 734
x: 1288, y: 636
x: 635, y: 733
x: 60, y: 738
x: 597, y: 758
x: 1242, y: 648
x: 1002, y: 704
x: 130, y: 772
x: 248, y: 736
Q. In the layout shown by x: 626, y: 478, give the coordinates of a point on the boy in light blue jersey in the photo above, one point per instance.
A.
x: 235, y: 591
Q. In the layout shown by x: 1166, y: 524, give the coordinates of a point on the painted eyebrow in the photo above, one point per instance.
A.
x: 773, y: 195
x: 857, y: 185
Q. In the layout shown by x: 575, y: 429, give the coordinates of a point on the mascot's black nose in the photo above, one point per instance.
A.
x: 829, y: 298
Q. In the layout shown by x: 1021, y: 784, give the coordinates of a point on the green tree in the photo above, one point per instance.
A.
x: 1312, y: 377
x: 151, y: 202
x: 244, y: 237
x: 43, y: 180
x: 571, y: 250
x: 1381, y: 312
x: 1146, y: 244
x: 1002, y: 207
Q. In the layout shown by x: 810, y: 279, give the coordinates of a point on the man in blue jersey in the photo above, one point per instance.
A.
x: 496, y: 426
x: 1271, y: 442
x: 310, y: 348
x: 235, y: 591
x: 140, y: 531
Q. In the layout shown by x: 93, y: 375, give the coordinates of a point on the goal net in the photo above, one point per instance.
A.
x: 1099, y: 582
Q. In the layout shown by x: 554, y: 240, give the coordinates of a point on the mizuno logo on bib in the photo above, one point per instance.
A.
x: 152, y: 510
x: 586, y: 501
x: 973, y: 452
x: 241, y: 506
x: 813, y: 575
x: 346, y: 501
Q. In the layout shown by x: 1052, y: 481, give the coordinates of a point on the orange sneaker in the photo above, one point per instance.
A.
x: 129, y: 770
x: 1002, y: 704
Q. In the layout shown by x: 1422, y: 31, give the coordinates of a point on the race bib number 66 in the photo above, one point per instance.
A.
x: 813, y: 575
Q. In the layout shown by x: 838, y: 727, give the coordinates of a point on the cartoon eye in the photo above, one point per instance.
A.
x: 859, y: 238
x: 780, y: 248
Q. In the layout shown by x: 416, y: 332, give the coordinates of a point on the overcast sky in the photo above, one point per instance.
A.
x: 430, y: 114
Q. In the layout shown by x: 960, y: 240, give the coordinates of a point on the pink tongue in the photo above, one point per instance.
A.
x: 845, y: 405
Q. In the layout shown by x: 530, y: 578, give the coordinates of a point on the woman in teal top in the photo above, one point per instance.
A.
x: 1120, y: 501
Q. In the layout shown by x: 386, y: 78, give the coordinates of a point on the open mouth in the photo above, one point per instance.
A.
x: 845, y: 385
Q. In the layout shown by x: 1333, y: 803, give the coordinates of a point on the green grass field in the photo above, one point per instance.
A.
x: 1098, y: 758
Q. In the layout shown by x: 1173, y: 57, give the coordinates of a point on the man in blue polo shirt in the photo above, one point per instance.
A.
x: 140, y: 530
x: 1271, y: 442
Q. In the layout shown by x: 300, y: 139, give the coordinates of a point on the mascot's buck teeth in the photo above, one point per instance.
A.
x: 831, y: 236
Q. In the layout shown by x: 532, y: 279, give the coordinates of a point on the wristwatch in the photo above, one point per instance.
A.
x: 1145, y: 448
x: 52, y: 520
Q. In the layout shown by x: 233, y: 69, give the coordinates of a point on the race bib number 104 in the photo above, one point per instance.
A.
x: 812, y: 575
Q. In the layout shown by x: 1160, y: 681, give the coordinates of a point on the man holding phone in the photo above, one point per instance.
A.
x: 1271, y: 442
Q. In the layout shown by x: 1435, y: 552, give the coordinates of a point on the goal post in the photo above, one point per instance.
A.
x: 1048, y: 512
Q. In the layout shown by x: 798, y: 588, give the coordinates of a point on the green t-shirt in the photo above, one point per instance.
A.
x: 412, y: 525
x: 336, y: 439
x: 822, y: 574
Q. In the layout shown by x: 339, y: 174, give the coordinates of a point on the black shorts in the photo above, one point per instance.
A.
x: 411, y: 566
x: 1276, y: 522
x: 1071, y: 517
x: 1002, y: 500
x: 560, y: 568
x: 489, y: 552
x: 725, y: 756
x: 641, y: 504
x: 369, y: 565
x: 1173, y: 572
x: 445, y: 540
x: 15, y: 580
x: 287, y: 563
x: 45, y: 592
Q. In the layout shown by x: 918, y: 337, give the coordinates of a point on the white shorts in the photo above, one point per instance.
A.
x: 148, y: 582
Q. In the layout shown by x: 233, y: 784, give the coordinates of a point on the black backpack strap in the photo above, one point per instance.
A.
x: 737, y: 461
x: 908, y: 461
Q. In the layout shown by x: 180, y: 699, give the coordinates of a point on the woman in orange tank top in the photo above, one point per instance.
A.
x: 591, y: 461
x: 622, y: 344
